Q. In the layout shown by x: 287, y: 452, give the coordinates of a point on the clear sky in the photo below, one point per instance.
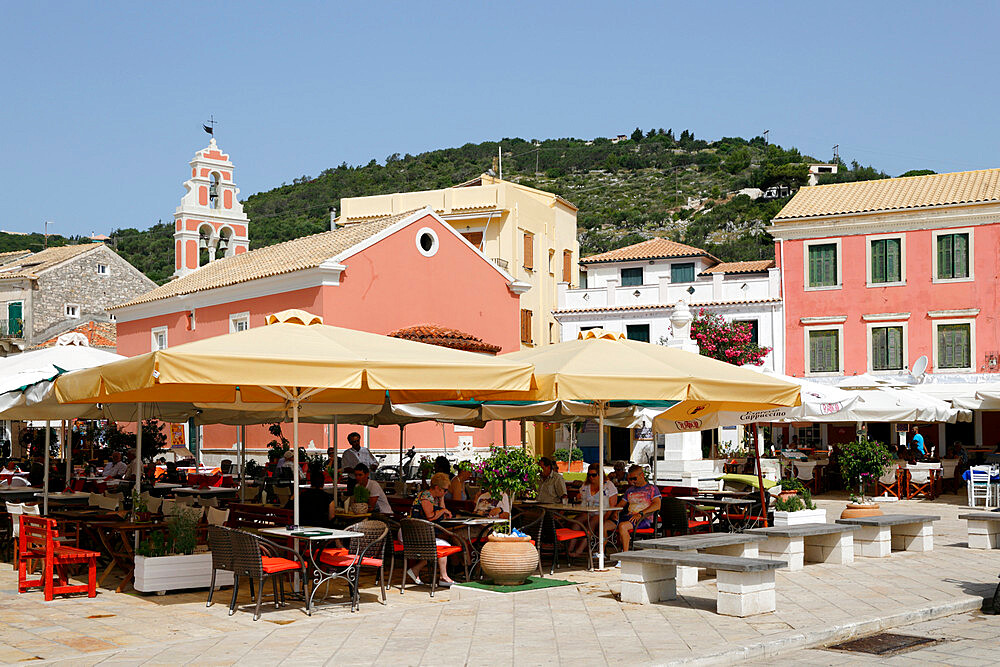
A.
x: 103, y: 102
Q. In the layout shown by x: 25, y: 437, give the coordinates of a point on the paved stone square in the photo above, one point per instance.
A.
x: 580, y: 625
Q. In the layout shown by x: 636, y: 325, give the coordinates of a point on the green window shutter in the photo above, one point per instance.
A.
x: 893, y: 272
x: 944, y: 256
x: 824, y: 354
x: 960, y: 254
x: 894, y: 348
x: 632, y: 277
x: 878, y: 261
x: 682, y: 273
x: 823, y: 265
x: 954, y: 346
x: 878, y: 349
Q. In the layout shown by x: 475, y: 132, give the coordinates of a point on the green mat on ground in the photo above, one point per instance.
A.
x: 532, y: 584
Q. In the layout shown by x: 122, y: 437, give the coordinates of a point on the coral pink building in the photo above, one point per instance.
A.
x: 381, y: 275
x: 884, y: 276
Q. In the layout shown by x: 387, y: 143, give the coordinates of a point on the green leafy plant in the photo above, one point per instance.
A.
x: 180, y: 537
x: 361, y: 494
x: 791, y: 484
x: 254, y: 470
x: 425, y: 466
x: 511, y: 471
x: 731, y: 342
x: 862, y: 461
x: 562, y: 454
x: 154, y: 440
x: 279, y: 445
x: 466, y: 465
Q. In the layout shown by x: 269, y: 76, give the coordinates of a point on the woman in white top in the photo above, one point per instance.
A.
x: 590, y: 497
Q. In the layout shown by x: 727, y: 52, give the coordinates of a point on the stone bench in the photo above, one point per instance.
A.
x: 745, y: 585
x: 739, y: 545
x: 879, y: 536
x: 807, y: 542
x: 984, y: 529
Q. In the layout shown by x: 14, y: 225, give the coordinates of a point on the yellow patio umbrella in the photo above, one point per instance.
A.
x: 605, y: 368
x: 295, y: 359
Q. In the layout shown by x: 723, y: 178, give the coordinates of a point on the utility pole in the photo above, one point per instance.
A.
x: 836, y: 154
x: 500, y: 161
x: 45, y: 229
x: 766, y: 132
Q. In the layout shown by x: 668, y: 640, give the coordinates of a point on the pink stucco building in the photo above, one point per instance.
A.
x: 379, y: 275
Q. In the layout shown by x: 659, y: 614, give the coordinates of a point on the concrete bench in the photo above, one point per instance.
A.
x: 984, y: 529
x: 812, y: 542
x: 879, y: 536
x: 745, y: 585
x: 739, y: 545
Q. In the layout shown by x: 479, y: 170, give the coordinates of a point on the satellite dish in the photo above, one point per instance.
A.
x: 919, y: 367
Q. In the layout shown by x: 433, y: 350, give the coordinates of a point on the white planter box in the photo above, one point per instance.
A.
x: 802, y: 516
x: 172, y: 573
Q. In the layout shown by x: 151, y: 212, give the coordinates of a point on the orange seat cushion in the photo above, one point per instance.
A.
x: 645, y: 531
x: 397, y: 545
x: 447, y: 551
x: 333, y: 559
x: 273, y: 565
x: 563, y: 534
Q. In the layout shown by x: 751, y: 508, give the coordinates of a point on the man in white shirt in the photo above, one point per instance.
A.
x: 552, y: 486
x: 376, y: 496
x: 116, y: 467
x: 357, y: 454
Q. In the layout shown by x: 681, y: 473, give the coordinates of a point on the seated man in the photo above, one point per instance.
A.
x: 316, y: 506
x: 376, y: 495
x: 552, y: 486
x: 115, y: 468
x: 642, y: 502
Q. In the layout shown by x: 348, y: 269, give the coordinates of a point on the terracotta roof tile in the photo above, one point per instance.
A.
x: 29, y: 266
x: 303, y: 253
x: 755, y: 266
x: 660, y: 306
x: 99, y: 334
x: 651, y: 249
x: 893, y: 194
x: 433, y: 334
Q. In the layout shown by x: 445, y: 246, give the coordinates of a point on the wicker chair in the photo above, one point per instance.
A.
x: 253, y: 557
x: 676, y: 519
x: 364, y: 551
x: 221, y: 546
x: 419, y: 544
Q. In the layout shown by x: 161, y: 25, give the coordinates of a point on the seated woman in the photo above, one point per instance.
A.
x: 316, y: 506
x: 486, y: 505
x: 429, y: 505
x: 590, y: 496
x: 619, y: 477
x: 456, y: 488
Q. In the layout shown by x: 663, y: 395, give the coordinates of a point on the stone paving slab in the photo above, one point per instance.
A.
x: 579, y: 625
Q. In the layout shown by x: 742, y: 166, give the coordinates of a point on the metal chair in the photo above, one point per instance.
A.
x: 254, y: 557
x: 221, y: 546
x: 364, y: 551
x: 980, y: 486
x: 420, y: 543
x: 676, y: 518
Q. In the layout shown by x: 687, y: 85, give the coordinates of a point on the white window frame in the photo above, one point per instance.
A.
x: 902, y: 259
x: 972, y: 343
x: 236, y: 318
x: 805, y: 264
x: 153, y: 333
x: 76, y: 308
x: 880, y: 324
x: 435, y: 242
x: 934, y: 257
x: 840, y: 349
x: 102, y: 269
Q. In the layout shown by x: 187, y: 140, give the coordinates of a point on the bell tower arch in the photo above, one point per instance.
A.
x: 210, y: 222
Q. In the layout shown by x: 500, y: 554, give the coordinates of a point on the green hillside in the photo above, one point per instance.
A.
x: 627, y: 191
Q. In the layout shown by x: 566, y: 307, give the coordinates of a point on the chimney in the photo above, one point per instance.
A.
x: 333, y: 218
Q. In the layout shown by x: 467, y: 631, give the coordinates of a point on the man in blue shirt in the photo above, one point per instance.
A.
x: 918, y: 441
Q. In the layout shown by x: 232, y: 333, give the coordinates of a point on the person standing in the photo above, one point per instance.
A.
x: 917, y: 442
x: 357, y: 454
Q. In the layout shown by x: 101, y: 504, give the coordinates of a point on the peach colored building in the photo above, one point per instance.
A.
x: 877, y: 275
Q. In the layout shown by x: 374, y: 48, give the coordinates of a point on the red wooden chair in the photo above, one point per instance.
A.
x: 38, y: 541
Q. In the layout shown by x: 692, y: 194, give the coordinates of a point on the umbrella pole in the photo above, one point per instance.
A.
x: 401, y: 478
x: 45, y: 489
x: 336, y: 463
x: 504, y: 433
x: 295, y: 461
x: 760, y: 475
x: 243, y: 464
x: 138, y: 465
x: 601, y: 405
x: 67, y: 447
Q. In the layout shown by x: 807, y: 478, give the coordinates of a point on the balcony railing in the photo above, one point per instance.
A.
x: 12, y: 328
x: 502, y: 263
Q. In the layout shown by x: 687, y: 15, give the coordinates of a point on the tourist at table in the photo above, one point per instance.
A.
x: 377, y: 500
x: 429, y: 505
x: 356, y: 454
x: 456, y: 489
x: 552, y: 486
x: 590, y: 496
x: 171, y: 476
x: 642, y: 501
x: 287, y: 460
x: 486, y: 505
x: 316, y: 506
x: 618, y: 477
x: 115, y: 468
x: 442, y: 464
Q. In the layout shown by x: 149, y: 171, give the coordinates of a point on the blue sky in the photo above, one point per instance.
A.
x: 103, y: 102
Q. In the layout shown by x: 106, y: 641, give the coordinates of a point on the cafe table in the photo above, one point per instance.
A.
x: 723, y: 507
x: 470, y: 523
x: 207, y: 492
x: 116, y: 538
x: 63, y: 498
x: 19, y: 494
x: 314, y: 535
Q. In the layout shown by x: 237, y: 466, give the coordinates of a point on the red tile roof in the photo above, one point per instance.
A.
x: 99, y: 334
x: 651, y: 249
x: 755, y: 266
x: 433, y: 334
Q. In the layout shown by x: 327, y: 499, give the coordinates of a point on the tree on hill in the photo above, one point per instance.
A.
x: 917, y: 172
x: 636, y: 135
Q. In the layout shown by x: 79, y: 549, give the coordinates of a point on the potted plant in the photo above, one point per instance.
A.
x: 169, y: 560
x: 359, y: 500
x: 507, y: 559
x: 862, y: 461
x: 794, y: 505
x: 569, y: 460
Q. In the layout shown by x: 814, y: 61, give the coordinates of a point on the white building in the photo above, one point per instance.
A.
x: 634, y: 290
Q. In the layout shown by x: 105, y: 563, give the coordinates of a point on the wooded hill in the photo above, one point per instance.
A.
x: 648, y: 184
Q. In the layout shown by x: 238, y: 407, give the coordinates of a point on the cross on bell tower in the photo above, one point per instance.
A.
x: 210, y: 219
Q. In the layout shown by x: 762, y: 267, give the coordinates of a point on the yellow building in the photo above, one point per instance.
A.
x: 529, y: 233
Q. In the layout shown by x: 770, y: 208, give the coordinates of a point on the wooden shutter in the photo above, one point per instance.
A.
x: 824, y: 356
x: 568, y: 266
x: 960, y: 256
x: 893, y: 272
x: 944, y: 255
x: 954, y: 346
x: 529, y: 250
x: 822, y: 265
x: 894, y: 348
x: 878, y: 261
x: 879, y: 349
x: 525, y: 325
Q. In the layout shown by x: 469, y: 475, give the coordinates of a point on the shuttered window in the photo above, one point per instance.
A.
x: 637, y: 332
x: 632, y: 277
x: 887, y: 348
x: 525, y: 325
x: 824, y: 351
x: 682, y: 273
x: 568, y: 266
x: 954, y: 345
x: 953, y: 256
x: 886, y: 261
x: 823, y: 265
x: 529, y: 250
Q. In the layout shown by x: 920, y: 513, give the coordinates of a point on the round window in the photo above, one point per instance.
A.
x: 427, y: 242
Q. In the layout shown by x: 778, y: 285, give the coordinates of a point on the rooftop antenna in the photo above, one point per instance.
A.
x: 766, y: 132
x: 45, y: 229
x: 836, y: 154
x: 500, y: 162
x: 209, y: 125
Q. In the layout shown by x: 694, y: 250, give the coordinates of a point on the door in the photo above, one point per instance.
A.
x: 15, y: 319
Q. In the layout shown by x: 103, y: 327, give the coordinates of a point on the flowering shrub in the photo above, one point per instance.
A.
x: 512, y: 471
x: 861, y: 462
x: 726, y: 341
